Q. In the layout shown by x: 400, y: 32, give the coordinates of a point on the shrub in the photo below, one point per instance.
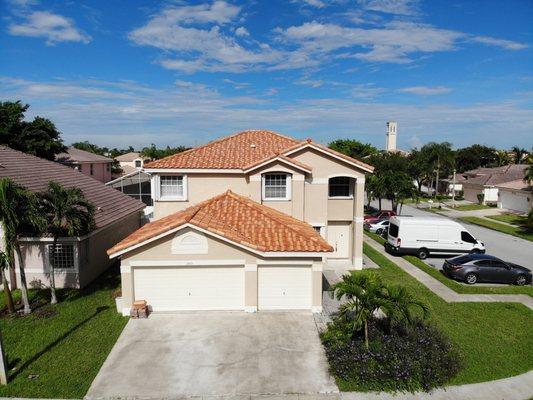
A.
x: 400, y: 357
x: 480, y: 198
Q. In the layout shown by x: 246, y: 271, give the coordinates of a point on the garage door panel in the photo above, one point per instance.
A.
x: 198, y: 288
x: 284, y: 288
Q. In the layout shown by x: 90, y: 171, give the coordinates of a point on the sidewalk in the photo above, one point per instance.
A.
x: 443, y: 291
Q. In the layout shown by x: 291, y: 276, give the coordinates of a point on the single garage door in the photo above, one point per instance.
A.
x: 284, y: 288
x: 190, y: 288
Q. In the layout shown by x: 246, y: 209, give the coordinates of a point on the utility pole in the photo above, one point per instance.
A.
x: 437, y: 182
x: 453, y: 189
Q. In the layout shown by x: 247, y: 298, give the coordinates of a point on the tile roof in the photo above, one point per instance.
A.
x: 128, y: 157
x: 34, y: 173
x: 240, y: 220
x: 495, y: 176
x: 519, y: 184
x: 74, y: 155
x: 242, y: 150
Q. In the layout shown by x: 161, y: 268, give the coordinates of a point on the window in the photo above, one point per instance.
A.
x: 484, y: 263
x: 467, y: 237
x: 108, y: 167
x: 172, y: 187
x: 63, y: 257
x: 393, y: 230
x: 92, y: 170
x: 138, y: 163
x: 276, y: 186
x: 339, y: 187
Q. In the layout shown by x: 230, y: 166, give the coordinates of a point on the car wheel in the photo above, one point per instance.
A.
x: 521, y: 280
x: 379, y: 231
x: 422, y: 254
x: 470, y: 278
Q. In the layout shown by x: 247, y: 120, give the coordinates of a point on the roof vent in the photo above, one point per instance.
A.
x: 253, y: 146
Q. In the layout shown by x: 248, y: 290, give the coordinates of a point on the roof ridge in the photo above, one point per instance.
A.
x: 252, y: 204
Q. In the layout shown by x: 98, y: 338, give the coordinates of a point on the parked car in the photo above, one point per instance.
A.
x: 423, y: 236
x: 472, y: 268
x: 377, y: 227
x: 376, y: 215
x: 385, y: 233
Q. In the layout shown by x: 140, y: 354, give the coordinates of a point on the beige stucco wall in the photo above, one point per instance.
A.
x: 161, y: 251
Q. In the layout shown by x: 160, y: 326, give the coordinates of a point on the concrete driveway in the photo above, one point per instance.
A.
x: 215, y: 353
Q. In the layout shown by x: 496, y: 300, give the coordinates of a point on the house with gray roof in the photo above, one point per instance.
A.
x: 91, y: 164
x: 82, y: 258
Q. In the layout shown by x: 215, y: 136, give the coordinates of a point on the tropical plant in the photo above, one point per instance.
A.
x: 440, y: 160
x: 365, y: 294
x: 4, y: 266
x: 353, y: 148
x: 528, y: 178
x: 68, y: 213
x: 502, y: 158
x: 519, y: 154
x: 475, y: 156
x: 19, y: 215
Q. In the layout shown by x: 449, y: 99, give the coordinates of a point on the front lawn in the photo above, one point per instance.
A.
x: 472, y: 207
x: 456, y: 286
x: 513, y: 219
x: 495, y: 339
x: 520, y: 232
x: 58, y: 350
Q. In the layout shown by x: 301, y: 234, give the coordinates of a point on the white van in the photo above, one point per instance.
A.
x: 423, y: 236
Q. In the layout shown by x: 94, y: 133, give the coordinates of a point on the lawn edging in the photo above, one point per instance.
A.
x: 497, y: 226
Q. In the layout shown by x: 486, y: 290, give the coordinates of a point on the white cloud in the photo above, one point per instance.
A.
x: 425, y: 90
x: 136, y: 114
x: 242, y: 31
x: 400, y: 7
x: 314, y: 3
x: 54, y: 27
x: 235, y: 84
x: 367, y: 91
x: 506, y: 44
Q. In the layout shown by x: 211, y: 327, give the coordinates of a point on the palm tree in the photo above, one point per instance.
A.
x: 19, y: 215
x: 68, y: 213
x: 519, y: 154
x: 4, y: 266
x: 365, y: 294
x: 502, y: 158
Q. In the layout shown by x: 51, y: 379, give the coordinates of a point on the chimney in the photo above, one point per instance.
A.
x: 392, y: 129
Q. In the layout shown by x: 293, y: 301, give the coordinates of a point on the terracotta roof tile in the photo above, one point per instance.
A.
x: 238, y: 219
x: 242, y: 150
x: 34, y: 173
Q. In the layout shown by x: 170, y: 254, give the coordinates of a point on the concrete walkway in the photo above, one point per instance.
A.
x: 443, y: 291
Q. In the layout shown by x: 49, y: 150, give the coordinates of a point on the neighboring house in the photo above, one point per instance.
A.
x: 79, y: 259
x: 244, y: 222
x: 516, y: 196
x: 94, y: 165
x: 131, y: 162
x: 486, y: 181
x: 226, y: 253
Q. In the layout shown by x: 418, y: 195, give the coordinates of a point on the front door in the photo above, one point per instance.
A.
x: 339, y: 238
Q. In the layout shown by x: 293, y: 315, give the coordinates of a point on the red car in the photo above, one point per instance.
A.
x: 376, y: 215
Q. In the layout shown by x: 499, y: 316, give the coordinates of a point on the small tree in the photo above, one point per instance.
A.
x: 19, y: 215
x: 365, y: 293
x: 4, y: 266
x: 68, y: 213
x: 480, y: 198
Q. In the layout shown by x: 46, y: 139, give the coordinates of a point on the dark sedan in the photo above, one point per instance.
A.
x: 472, y: 268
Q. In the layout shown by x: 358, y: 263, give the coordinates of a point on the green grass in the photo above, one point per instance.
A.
x: 456, y: 286
x: 520, y: 232
x: 64, y: 345
x: 495, y: 339
x: 471, y: 207
x: 512, y: 219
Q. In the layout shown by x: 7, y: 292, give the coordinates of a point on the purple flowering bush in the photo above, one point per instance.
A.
x: 400, y: 357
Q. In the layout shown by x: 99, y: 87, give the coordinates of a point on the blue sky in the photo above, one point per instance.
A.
x: 182, y: 73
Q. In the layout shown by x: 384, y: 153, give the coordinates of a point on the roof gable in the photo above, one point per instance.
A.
x: 239, y: 220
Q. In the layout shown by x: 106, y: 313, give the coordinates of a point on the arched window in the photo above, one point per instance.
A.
x: 189, y: 243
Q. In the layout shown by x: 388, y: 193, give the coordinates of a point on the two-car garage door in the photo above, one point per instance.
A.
x: 280, y: 287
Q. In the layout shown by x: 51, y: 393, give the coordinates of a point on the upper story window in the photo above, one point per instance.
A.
x: 138, y: 164
x: 340, y: 186
x: 276, y: 186
x: 92, y: 169
x: 172, y: 187
x: 108, y: 167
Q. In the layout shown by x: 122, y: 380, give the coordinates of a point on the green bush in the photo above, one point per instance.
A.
x: 400, y: 357
x: 480, y: 198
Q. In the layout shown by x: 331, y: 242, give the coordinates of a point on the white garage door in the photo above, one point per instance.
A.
x: 284, y: 288
x: 197, y: 288
x: 514, y: 202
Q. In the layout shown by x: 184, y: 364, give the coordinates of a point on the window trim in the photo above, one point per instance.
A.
x: 75, y: 260
x: 171, y: 198
x: 350, y: 189
x: 288, y: 184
